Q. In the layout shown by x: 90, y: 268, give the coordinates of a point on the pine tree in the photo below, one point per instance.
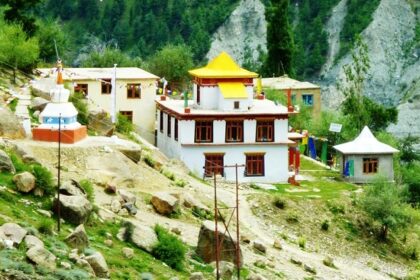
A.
x: 279, y: 40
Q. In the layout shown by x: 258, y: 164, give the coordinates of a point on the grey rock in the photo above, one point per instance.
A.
x: 132, y: 210
x: 78, y: 238
x: 10, y: 126
x: 41, y: 257
x: 25, y: 182
x: 12, y: 232
x: 38, y: 192
x: 206, y: 244
x: 143, y: 237
x: 196, y: 276
x: 100, y: 122
x: 309, y: 268
x: 128, y: 252
x: 86, y: 266
x: 164, y: 203
x: 260, y: 246
x: 44, y: 213
x: 255, y: 277
x: 277, y: 244
x: 38, y: 103
x: 72, y: 188
x: 115, y: 206
x: 127, y: 197
x: 6, y: 163
x: 74, y: 209
x: 65, y: 265
x: 108, y: 242
x: 32, y: 241
x: 98, y: 264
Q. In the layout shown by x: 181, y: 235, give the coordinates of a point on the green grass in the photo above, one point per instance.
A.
x: 13, y: 104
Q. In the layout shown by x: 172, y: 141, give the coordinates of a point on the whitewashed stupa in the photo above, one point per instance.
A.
x: 59, y: 110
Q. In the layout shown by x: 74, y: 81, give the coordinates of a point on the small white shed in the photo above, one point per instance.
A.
x: 365, y: 157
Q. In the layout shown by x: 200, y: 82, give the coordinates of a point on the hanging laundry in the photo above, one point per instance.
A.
x: 324, y: 152
x: 351, y: 168
x: 311, y: 146
x: 346, y: 169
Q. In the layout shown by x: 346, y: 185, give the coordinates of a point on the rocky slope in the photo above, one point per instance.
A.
x: 245, y: 28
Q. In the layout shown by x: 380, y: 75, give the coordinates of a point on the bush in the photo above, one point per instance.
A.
x: 43, y: 178
x: 328, y: 261
x: 78, y: 100
x: 336, y: 208
x: 168, y: 174
x: 292, y: 217
x: 17, y: 163
x: 169, y: 249
x: 46, y: 226
x: 302, y: 242
x: 128, y: 233
x: 279, y: 203
x: 325, y: 225
x: 124, y: 125
x: 88, y: 188
x: 149, y: 161
x: 180, y: 183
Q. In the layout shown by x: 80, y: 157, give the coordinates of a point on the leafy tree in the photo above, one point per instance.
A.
x: 408, y: 154
x: 17, y: 12
x: 47, y: 32
x: 107, y: 57
x: 385, y: 203
x: 16, y: 49
x: 173, y: 63
x: 411, y: 177
x: 280, y: 42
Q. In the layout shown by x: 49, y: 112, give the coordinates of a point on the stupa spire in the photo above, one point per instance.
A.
x: 60, y: 80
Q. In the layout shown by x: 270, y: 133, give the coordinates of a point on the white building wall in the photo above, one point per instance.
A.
x: 385, y: 168
x: 219, y: 131
x: 209, y: 97
x: 250, y: 127
x: 186, y: 131
x: 143, y: 108
x: 275, y: 161
x: 280, y: 130
x: 250, y: 92
x: 167, y: 144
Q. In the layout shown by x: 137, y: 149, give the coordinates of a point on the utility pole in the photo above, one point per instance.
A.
x: 113, y: 94
x: 59, y: 175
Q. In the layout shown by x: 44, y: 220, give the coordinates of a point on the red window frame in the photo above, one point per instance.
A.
x: 254, y: 165
x: 265, y: 131
x: 234, y: 131
x: 214, y: 163
x: 168, y: 130
x: 176, y: 129
x: 370, y: 165
x: 133, y: 91
x: 203, y: 131
x: 161, y: 121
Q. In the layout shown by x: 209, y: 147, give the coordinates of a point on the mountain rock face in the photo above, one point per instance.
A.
x: 244, y: 31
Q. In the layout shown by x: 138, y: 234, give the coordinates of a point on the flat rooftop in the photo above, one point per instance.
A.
x: 126, y: 73
x: 260, y: 107
x: 284, y: 82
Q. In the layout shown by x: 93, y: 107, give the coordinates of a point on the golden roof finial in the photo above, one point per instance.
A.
x: 60, y: 80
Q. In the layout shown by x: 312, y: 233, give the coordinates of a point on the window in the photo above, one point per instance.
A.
x: 161, y: 121
x: 128, y: 115
x: 308, y: 99
x: 236, y: 105
x: 203, y: 131
x: 133, y: 90
x: 265, y: 131
x: 176, y: 130
x: 213, y: 164
x: 106, y: 86
x: 198, y: 94
x: 254, y: 165
x: 370, y: 165
x: 81, y: 88
x: 169, y: 126
x: 234, y: 131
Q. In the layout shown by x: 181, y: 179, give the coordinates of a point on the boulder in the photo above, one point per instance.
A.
x: 100, y: 122
x: 41, y: 256
x: 12, y: 232
x: 143, y: 237
x: 133, y: 154
x: 38, y: 103
x: 277, y: 244
x: 44, y: 213
x: 72, y: 188
x: 2, y: 245
x: 38, y: 192
x: 6, y: 163
x: 128, y: 253
x: 146, y: 276
x: 32, y: 241
x: 255, y: 277
x: 10, y: 126
x: 196, y: 276
x: 115, y: 206
x: 258, y: 245
x: 25, y: 182
x: 164, y: 203
x: 98, y: 264
x: 132, y: 210
x: 225, y: 270
x: 74, y: 209
x: 206, y: 244
x: 108, y: 242
x: 110, y: 189
x: 65, y: 265
x: 86, y: 266
x: 190, y: 202
x: 127, y: 197
x: 78, y: 238
x: 309, y: 268
x: 36, y: 114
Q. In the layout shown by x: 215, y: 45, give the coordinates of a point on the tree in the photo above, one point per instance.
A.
x: 280, y: 42
x: 17, y: 13
x: 107, y: 57
x: 411, y: 177
x: 407, y: 151
x: 48, y: 32
x: 16, y: 49
x: 173, y: 63
x: 385, y: 203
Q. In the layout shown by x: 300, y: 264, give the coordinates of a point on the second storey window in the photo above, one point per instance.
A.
x: 176, y: 130
x: 106, y: 86
x: 234, y: 131
x: 203, y: 131
x: 370, y: 165
x: 133, y: 90
x: 169, y: 126
x: 265, y: 131
x: 161, y: 121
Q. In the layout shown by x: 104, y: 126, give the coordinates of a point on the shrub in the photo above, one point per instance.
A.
x: 46, y: 226
x: 88, y: 188
x: 149, y: 161
x: 124, y: 125
x: 13, y: 104
x: 169, y: 249
x: 201, y: 213
x: 180, y: 183
x: 17, y: 163
x: 78, y: 100
x: 168, y: 174
x: 302, y: 242
x: 292, y: 217
x: 43, y: 178
x: 128, y: 233
x: 328, y: 261
x: 279, y: 203
x: 74, y: 274
x: 336, y: 208
x: 325, y: 225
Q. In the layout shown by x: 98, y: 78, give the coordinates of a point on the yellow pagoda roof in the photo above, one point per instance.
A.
x: 222, y: 66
